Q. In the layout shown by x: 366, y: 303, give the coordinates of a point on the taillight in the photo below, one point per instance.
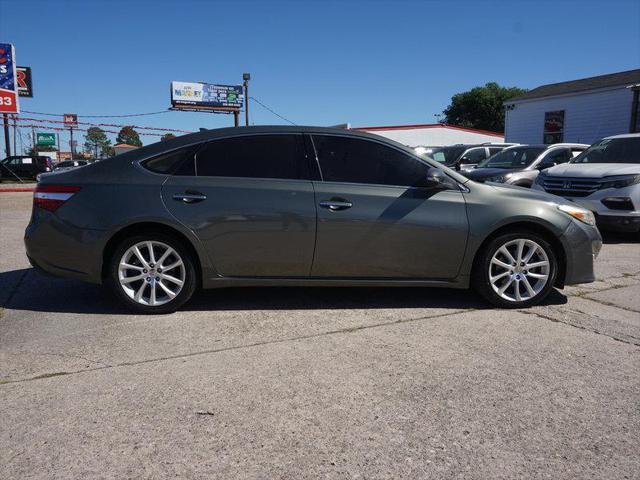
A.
x: 50, y: 197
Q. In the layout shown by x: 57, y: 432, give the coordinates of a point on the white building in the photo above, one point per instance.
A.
x: 434, y: 135
x: 579, y: 111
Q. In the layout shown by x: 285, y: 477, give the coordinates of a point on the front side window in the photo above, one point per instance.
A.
x: 355, y: 160
x: 446, y: 155
x: 254, y: 156
x: 516, y: 157
x: 473, y: 156
x: 562, y: 155
x: 614, y: 150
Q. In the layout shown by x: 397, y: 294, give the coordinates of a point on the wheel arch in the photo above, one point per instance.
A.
x: 533, y: 227
x: 146, y: 227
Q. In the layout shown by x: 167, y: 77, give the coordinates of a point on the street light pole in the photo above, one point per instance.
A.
x: 246, y: 77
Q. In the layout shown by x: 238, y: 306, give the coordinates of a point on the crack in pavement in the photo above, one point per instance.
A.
x: 63, y: 355
x: 240, y: 347
x: 580, y: 327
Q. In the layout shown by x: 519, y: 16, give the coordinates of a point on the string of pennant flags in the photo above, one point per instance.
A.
x: 137, y: 127
x: 62, y: 129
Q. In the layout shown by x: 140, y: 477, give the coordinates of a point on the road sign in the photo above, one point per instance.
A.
x: 23, y: 79
x: 70, y: 120
x: 47, y: 139
x: 8, y: 84
x: 206, y: 96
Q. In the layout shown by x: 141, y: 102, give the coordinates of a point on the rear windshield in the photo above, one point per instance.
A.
x: 446, y: 155
x: 516, y: 157
x: 615, y: 150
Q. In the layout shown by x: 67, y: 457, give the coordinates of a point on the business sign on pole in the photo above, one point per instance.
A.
x: 45, y: 139
x: 70, y: 120
x: 23, y: 79
x: 206, y: 96
x: 8, y: 84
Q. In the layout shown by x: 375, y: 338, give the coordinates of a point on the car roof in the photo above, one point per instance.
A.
x: 625, y: 135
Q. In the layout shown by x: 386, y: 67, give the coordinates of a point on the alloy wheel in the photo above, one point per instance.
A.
x: 151, y: 273
x: 519, y: 270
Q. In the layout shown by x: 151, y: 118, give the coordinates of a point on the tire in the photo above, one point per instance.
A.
x: 152, y: 288
x: 504, y: 284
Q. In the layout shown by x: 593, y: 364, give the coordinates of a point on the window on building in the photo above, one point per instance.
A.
x: 553, y: 127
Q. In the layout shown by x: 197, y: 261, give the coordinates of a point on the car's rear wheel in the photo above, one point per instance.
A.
x: 152, y: 273
x: 515, y: 270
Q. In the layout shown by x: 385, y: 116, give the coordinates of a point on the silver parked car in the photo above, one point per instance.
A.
x: 604, y: 179
x: 520, y: 165
x: 300, y: 206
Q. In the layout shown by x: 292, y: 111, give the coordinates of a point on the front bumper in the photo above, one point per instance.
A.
x: 582, y: 244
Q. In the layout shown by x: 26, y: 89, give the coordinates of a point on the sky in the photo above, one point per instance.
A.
x: 313, y: 62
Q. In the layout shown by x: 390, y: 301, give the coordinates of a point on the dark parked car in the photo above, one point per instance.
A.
x: 520, y: 165
x: 67, y: 164
x: 465, y: 156
x: 300, y: 206
x: 22, y: 166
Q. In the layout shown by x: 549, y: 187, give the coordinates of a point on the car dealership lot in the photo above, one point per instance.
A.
x: 269, y: 383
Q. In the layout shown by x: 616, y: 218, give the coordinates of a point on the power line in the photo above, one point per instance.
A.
x: 101, y: 116
x: 271, y: 110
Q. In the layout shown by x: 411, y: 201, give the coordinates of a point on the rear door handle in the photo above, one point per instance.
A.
x: 190, y: 197
x: 336, y: 205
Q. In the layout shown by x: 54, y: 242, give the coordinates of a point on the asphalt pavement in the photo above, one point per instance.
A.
x: 317, y: 383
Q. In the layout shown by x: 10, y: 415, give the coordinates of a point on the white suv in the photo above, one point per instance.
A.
x: 605, y: 178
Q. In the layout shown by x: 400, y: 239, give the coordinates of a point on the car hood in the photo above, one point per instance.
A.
x: 593, y: 170
x: 524, y: 193
x: 484, y: 173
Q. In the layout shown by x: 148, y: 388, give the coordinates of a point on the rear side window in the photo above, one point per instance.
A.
x: 177, y: 162
x: 354, y: 160
x: 254, y: 156
x: 475, y: 155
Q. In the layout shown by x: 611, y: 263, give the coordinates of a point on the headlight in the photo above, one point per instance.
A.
x: 620, y: 181
x: 582, y: 214
x: 540, y: 178
x: 499, y: 178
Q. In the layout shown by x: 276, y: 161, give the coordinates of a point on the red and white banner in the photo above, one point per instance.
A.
x: 8, y: 84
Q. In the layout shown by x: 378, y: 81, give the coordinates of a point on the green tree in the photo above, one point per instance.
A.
x: 480, y: 107
x: 97, y: 143
x: 129, y: 136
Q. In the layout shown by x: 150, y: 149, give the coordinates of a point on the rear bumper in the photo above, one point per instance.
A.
x: 63, y: 250
x: 582, y: 244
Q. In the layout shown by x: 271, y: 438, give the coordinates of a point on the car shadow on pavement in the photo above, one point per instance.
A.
x: 619, y: 237
x: 29, y: 290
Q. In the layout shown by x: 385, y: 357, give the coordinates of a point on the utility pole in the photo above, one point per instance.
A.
x: 58, y: 139
x: 245, y: 78
x: 71, y: 142
x: 33, y: 141
x: 7, y: 142
x: 236, y: 120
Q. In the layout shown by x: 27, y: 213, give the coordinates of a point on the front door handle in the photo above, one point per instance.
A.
x: 336, y: 205
x: 190, y: 197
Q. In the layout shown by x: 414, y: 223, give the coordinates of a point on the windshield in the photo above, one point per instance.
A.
x: 615, y: 150
x: 518, y: 157
x: 447, y: 155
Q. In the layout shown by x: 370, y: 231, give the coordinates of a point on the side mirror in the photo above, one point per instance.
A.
x: 542, y: 166
x: 436, y: 179
x: 457, y: 167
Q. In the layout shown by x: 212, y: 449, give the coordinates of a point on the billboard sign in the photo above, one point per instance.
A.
x: 196, y: 95
x: 45, y: 139
x: 8, y: 84
x: 70, y: 120
x: 23, y: 79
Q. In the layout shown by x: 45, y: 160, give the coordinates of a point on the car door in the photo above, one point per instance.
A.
x: 374, y: 218
x: 250, y: 201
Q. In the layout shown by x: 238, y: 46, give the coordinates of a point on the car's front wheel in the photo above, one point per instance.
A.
x: 515, y: 270
x: 152, y: 273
